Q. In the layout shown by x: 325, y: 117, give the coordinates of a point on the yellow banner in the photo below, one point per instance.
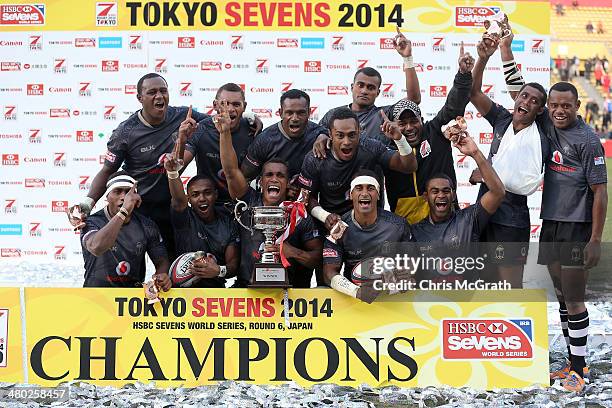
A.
x: 317, y: 15
x: 195, y: 337
x: 11, y: 356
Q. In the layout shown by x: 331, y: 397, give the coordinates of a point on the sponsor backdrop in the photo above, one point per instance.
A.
x: 406, y: 340
x: 69, y: 74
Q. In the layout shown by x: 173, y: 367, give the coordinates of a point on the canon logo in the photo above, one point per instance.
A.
x: 60, y: 90
x: 261, y: 90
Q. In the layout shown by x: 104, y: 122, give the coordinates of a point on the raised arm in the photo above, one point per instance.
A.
x: 481, y: 101
x: 236, y: 182
x: 403, y: 46
x: 177, y: 191
x: 512, y: 74
x: 404, y: 160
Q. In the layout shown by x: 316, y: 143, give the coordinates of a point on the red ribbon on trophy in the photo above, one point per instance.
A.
x: 297, y: 211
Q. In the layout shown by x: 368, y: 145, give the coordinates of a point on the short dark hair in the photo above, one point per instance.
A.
x: 294, y: 94
x: 199, y: 177
x: 368, y: 71
x: 366, y: 172
x: 229, y: 87
x: 440, y: 176
x: 276, y: 160
x: 340, y: 114
x: 540, y: 88
x: 145, y: 77
x: 564, y: 87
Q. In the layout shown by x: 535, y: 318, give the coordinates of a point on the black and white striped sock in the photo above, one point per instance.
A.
x: 578, y: 327
x: 563, y: 317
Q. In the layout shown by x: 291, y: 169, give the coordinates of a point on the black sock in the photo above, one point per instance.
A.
x: 578, y: 326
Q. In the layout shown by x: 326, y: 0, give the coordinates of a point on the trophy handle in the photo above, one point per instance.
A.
x: 244, y: 206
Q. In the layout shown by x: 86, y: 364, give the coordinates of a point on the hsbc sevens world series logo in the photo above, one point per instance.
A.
x: 487, y: 339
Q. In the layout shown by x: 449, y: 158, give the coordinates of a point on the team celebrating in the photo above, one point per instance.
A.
x: 336, y: 175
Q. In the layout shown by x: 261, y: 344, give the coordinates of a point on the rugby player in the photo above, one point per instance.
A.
x: 327, y: 181
x: 515, y: 135
x: 288, y: 140
x: 302, y: 248
x: 203, y: 144
x: 140, y: 143
x: 369, y: 229
x: 199, y: 227
x: 574, y: 204
x: 432, y: 150
x: 115, y: 239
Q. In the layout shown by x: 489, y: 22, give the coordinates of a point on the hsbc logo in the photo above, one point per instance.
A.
x: 312, y: 66
x: 10, y: 66
x: 437, y: 91
x: 35, y: 136
x: 262, y: 112
x: 84, y: 135
x: 160, y: 65
x: 537, y: 46
x: 387, y: 43
x: 109, y: 112
x: 10, y: 159
x: 438, y: 44
x: 110, y: 65
x: 486, y: 138
x: 35, y: 42
x: 287, y: 43
x: 184, y: 89
x: 337, y: 90
x: 59, y: 66
x: 186, y: 42
x: 135, y: 42
x: 473, y: 16
x: 10, y: 206
x: 262, y: 66
x: 387, y: 91
x: 35, y: 182
x: 237, y: 42
x: 84, y: 42
x: 10, y: 253
x: 337, y: 43
x: 35, y: 230
x: 10, y: 112
x: 535, y: 231
x: 84, y: 89
x: 106, y: 14
x: 210, y: 66
x: 84, y: 183
x: 462, y: 162
x: 362, y: 63
x: 59, y: 159
x: 35, y: 89
x: 59, y: 112
x: 487, y: 339
x: 59, y: 253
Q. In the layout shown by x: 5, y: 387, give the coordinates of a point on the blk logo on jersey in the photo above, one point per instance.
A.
x: 487, y: 339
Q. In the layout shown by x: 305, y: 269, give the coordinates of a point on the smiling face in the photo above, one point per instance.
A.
x: 440, y: 197
x: 563, y: 108
x: 235, y: 106
x: 365, y: 89
x: 274, y: 181
x: 411, y: 127
x: 345, y: 138
x: 154, y: 98
x: 365, y: 198
x: 294, y: 116
x: 527, y: 105
x: 202, y: 197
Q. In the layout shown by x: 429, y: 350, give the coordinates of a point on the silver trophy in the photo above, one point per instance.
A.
x: 497, y: 27
x: 269, y: 272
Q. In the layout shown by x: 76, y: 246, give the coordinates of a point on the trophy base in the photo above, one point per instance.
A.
x: 269, y: 275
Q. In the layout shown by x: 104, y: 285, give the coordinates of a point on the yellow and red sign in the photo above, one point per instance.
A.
x: 194, y: 337
x: 318, y: 15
